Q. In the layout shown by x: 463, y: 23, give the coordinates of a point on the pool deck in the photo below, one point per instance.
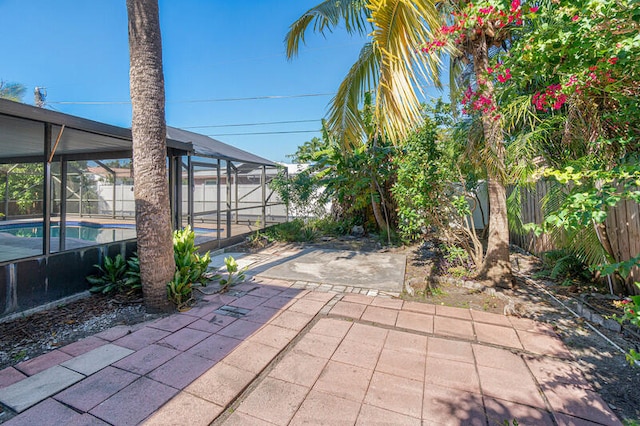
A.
x: 276, y: 351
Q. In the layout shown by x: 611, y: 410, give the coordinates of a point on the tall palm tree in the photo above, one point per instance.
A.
x: 148, y: 128
x: 393, y: 68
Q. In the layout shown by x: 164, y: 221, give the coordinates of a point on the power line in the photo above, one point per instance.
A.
x: 266, y: 123
x: 191, y: 101
x: 265, y: 133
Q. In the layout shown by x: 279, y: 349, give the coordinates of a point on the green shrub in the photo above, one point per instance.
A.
x: 191, y: 268
x: 234, y: 276
x: 114, y: 277
x: 189, y: 263
x: 179, y: 290
x: 563, y: 265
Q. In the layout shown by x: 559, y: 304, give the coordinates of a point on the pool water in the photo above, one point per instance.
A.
x: 80, y: 231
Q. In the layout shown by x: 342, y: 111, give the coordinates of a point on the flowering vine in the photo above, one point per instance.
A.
x: 495, y: 19
x: 556, y: 95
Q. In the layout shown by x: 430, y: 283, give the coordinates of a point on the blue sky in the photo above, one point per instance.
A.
x: 212, y: 50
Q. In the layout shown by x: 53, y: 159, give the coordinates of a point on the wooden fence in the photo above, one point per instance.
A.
x: 622, y: 226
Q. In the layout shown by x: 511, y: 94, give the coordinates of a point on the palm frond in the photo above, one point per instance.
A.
x: 344, y: 121
x: 325, y: 17
x: 401, y: 27
x: 514, y: 211
x: 519, y: 113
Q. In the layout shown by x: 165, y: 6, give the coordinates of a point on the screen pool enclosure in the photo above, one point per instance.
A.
x: 66, y: 198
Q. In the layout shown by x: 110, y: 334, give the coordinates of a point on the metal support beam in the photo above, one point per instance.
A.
x: 218, y: 192
x: 63, y: 204
x: 263, y: 182
x: 228, y: 199
x: 191, y: 186
x: 286, y: 205
x: 235, y: 181
x: 46, y: 193
x: 172, y: 192
x: 178, y: 190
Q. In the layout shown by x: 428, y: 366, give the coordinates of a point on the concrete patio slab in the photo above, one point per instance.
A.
x: 88, y: 393
x: 97, y: 359
x: 45, y: 413
x: 34, y: 389
x: 320, y: 408
x: 134, y: 403
x: 42, y: 362
x: 381, y: 271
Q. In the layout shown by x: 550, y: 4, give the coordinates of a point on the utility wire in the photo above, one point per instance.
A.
x: 266, y: 133
x: 192, y: 101
x: 266, y: 123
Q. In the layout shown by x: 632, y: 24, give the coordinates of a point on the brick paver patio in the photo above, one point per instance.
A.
x: 294, y: 356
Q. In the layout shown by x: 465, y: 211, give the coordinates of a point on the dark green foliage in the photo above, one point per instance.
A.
x: 563, y: 265
x: 300, y: 231
x: 420, y: 183
x: 114, y: 277
x: 295, y: 231
x: 133, y: 272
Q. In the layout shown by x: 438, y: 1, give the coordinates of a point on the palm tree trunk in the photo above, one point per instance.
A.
x: 496, y: 268
x: 148, y: 128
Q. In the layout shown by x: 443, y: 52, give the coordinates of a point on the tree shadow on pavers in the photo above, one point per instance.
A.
x: 568, y: 387
x: 454, y: 407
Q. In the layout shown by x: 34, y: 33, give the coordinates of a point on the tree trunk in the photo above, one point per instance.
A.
x: 377, y: 211
x: 148, y: 128
x: 496, y: 268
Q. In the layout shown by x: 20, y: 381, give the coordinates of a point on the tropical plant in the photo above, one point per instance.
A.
x: 113, y: 277
x: 426, y: 195
x: 191, y: 265
x: 133, y: 272
x: 392, y: 67
x: 179, y: 290
x: 234, y: 275
x: 572, y: 103
x: 148, y: 130
x: 562, y: 264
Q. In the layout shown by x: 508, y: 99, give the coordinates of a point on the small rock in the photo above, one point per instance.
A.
x: 357, y: 231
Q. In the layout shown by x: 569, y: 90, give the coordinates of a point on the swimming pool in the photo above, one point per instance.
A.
x: 87, y: 231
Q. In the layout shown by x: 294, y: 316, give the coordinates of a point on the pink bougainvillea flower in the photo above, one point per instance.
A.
x: 613, y: 60
x: 575, y: 18
x: 572, y: 80
x: 534, y: 9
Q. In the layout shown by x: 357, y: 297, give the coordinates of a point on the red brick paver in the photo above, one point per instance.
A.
x: 301, y: 357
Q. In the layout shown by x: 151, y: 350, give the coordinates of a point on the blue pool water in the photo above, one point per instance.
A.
x: 87, y: 231
x: 78, y: 230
